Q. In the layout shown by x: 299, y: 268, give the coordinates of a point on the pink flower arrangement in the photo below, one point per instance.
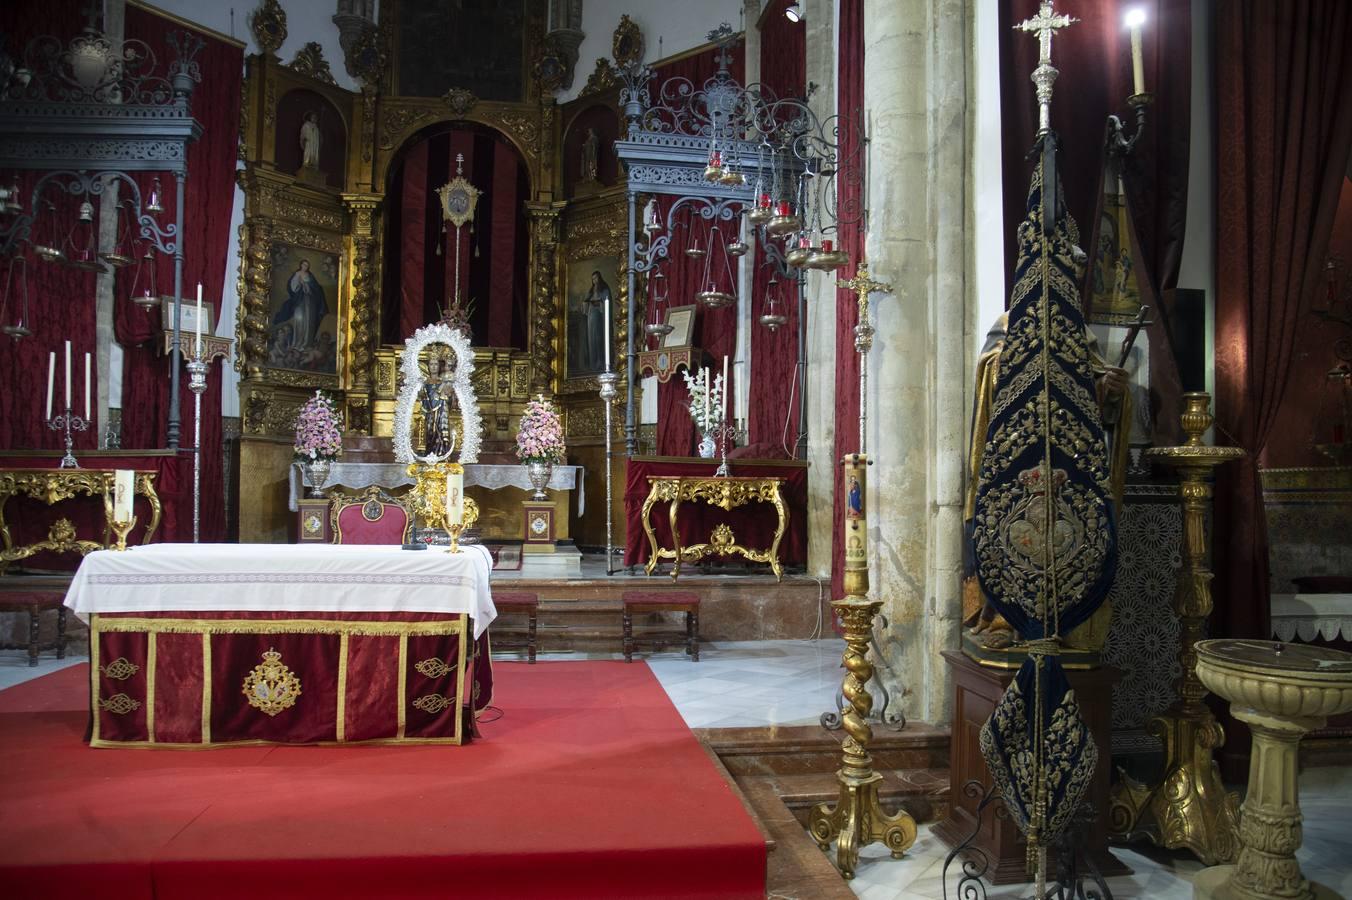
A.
x: 541, y: 436
x: 318, y: 430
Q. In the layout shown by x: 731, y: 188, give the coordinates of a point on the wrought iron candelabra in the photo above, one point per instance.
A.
x: 1119, y: 144
x: 68, y: 422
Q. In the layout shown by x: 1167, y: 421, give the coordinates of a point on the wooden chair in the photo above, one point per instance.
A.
x: 524, y: 603
x: 662, y: 601
x: 372, y: 517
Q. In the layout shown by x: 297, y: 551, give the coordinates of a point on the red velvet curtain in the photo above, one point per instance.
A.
x: 493, y: 250
x: 1283, y: 75
x: 715, y: 330
x: 60, y: 300
x: 849, y: 101
x: 772, y: 410
x: 207, y: 242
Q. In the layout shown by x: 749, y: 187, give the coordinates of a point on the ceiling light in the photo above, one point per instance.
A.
x: 794, y: 12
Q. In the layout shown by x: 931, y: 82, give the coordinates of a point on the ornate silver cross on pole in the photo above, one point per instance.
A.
x: 1044, y: 25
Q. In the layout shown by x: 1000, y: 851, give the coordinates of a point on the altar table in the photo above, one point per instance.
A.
x: 491, y: 477
x: 198, y: 645
x: 753, y: 524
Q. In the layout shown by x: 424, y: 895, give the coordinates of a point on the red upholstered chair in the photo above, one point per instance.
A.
x: 370, y: 518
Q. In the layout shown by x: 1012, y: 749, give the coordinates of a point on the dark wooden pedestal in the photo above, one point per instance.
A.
x: 976, y: 691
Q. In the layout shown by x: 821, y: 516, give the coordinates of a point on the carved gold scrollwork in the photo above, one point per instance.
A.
x: 50, y: 487
x: 268, y: 24
x: 725, y: 493
x: 395, y: 120
x: 544, y: 311
x: 310, y: 61
x: 252, y: 319
x: 603, y: 77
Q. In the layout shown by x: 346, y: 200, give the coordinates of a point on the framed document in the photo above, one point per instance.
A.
x: 682, y: 322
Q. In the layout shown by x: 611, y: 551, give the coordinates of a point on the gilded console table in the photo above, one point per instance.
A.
x: 726, y: 493
x: 51, y: 486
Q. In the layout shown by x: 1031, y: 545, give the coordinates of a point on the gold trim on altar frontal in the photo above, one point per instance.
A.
x: 147, y: 625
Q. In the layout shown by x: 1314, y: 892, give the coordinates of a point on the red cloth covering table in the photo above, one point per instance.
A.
x: 198, y: 645
x: 754, y: 524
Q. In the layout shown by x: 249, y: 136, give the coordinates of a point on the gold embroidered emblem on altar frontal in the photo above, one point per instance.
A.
x: 271, y: 686
x: 120, y: 704
x: 432, y: 668
x: 120, y: 669
x: 432, y: 703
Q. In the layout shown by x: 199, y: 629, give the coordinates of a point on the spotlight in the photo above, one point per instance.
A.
x: 1135, y: 18
x: 794, y: 12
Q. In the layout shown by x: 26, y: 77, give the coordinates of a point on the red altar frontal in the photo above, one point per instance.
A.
x: 211, y: 679
x: 205, y: 645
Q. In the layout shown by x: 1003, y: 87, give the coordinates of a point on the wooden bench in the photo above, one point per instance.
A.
x: 661, y: 601
x: 35, y: 594
x: 525, y: 604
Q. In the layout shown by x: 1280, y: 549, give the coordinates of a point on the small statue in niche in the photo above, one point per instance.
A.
x: 437, y: 397
x: 309, y: 141
x: 591, y: 145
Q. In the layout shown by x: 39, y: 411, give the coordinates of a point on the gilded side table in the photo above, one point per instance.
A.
x: 724, y: 492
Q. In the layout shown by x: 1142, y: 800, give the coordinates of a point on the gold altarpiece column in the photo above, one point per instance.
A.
x: 333, y: 217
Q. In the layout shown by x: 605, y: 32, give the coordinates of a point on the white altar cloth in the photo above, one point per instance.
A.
x: 292, y: 577
x: 492, y: 476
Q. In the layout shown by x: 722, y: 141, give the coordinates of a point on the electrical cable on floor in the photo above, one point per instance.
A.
x: 816, y: 634
x: 487, y: 709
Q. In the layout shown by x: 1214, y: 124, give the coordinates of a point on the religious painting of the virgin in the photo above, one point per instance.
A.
x: 303, y: 310
x: 593, y: 290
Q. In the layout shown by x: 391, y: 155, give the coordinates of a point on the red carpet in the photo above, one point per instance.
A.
x: 590, y: 786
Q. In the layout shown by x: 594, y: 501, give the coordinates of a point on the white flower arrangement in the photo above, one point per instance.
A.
x: 470, y: 420
x: 707, y: 415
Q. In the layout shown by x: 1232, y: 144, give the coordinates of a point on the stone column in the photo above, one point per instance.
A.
x: 915, y: 93
x: 821, y: 323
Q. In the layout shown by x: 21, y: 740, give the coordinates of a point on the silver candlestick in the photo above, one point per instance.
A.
x: 608, y: 380
x: 197, y: 383
x: 68, y: 422
x: 724, y: 432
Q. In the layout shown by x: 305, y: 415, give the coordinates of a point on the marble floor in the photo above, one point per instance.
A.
x: 753, y: 683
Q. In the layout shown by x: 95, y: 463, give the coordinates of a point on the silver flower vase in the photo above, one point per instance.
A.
x: 707, y: 447
x: 539, y: 473
x: 317, y: 472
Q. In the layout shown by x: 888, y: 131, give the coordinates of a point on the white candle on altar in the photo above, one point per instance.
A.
x: 708, y: 389
x: 1135, y: 19
x: 198, y: 347
x: 725, y: 389
x: 51, y: 380
x: 67, y: 374
x: 86, y: 385
x: 608, y: 326
x: 455, y: 498
x: 124, y: 484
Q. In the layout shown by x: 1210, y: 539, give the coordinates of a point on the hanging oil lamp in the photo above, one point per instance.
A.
x: 712, y: 297
x: 119, y: 255
x: 713, y: 172
x: 730, y: 176
x: 762, y: 212
x: 18, y: 329
x: 657, y: 328
x: 153, y: 204
x: 147, y: 299
x: 83, y: 252
x: 772, y: 318
x: 49, y: 251
x: 784, y: 221
x: 797, y: 254
x: 12, y: 204
x: 827, y: 257
x: 737, y: 248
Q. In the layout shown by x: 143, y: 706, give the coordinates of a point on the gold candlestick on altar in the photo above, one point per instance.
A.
x: 1189, y: 806
x: 120, y: 531
x: 858, y: 818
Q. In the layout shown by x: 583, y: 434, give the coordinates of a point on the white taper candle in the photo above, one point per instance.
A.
x: 51, y: 381
x: 86, y: 385
x: 124, y: 483
x: 1135, y: 19
x: 198, y: 347
x: 67, y: 374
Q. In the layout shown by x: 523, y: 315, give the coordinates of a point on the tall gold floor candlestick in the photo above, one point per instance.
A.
x: 858, y: 818
x: 1189, y: 806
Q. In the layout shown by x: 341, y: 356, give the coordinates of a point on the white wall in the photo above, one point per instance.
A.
x: 988, y: 237
x: 679, y: 24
